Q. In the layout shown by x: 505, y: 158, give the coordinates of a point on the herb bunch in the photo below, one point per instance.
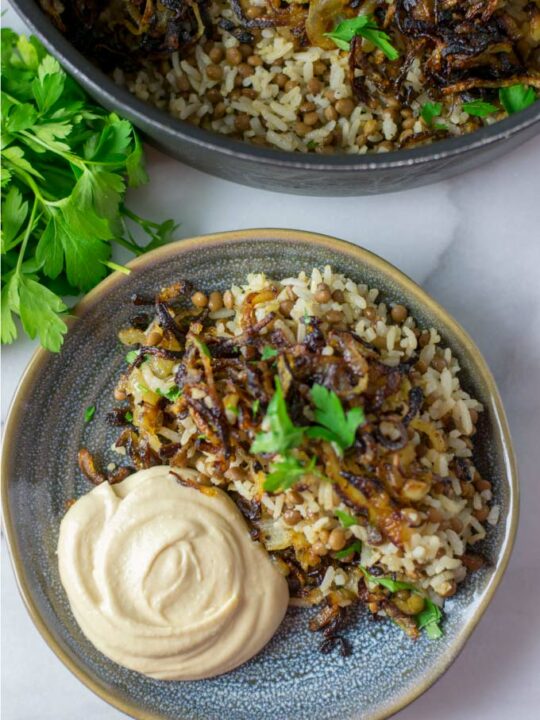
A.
x: 66, y: 163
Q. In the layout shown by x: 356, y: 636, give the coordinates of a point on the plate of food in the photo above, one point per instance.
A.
x: 266, y: 475
x: 315, y: 96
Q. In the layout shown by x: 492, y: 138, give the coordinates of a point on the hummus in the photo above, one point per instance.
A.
x: 165, y: 579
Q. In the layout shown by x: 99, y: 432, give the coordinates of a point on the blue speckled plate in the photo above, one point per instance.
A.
x: 290, y: 679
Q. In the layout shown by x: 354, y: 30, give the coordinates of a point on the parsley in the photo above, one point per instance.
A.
x: 282, y: 434
x: 172, y: 394
x: 345, y: 519
x: 89, y: 413
x: 255, y: 407
x: 128, y: 416
x: 479, y: 108
x: 66, y: 164
x: 268, y: 352
x: 430, y: 111
x: 233, y: 409
x: 132, y: 356
x: 312, y: 145
x: 355, y: 547
x: 338, y: 427
x: 516, y: 98
x: 429, y: 619
x: 366, y: 27
x: 286, y: 472
x: 203, y: 347
x: 119, y: 268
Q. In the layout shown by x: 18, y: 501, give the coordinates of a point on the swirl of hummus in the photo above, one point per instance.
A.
x: 165, y: 579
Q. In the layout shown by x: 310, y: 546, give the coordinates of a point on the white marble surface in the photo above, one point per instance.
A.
x: 474, y: 244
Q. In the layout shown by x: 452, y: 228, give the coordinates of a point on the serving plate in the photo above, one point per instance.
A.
x: 304, y: 174
x: 290, y: 679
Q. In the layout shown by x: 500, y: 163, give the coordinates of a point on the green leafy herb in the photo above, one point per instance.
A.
x: 66, y: 164
x: 201, y: 437
x: 345, y: 519
x: 172, y: 394
x: 255, y: 406
x: 312, y: 145
x: 132, y: 356
x: 392, y: 585
x: 203, y: 347
x: 430, y: 111
x: 143, y: 388
x: 366, y: 27
x: 89, y: 413
x: 119, y: 268
x: 429, y: 619
x: 282, y: 434
x: 268, y: 353
x: 516, y: 98
x: 355, y: 547
x: 337, y: 426
x: 129, y: 416
x: 232, y: 409
x: 286, y: 472
x: 479, y: 108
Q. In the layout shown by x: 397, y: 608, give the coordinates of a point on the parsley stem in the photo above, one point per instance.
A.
x: 27, y: 234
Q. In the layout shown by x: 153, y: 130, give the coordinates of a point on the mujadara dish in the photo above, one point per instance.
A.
x: 318, y: 75
x: 302, y: 426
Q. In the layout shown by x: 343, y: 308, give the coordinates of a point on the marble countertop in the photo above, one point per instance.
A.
x: 473, y: 243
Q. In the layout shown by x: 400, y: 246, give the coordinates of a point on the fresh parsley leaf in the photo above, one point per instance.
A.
x: 255, y: 407
x: 129, y: 416
x: 119, y: 268
x: 479, y: 108
x: 430, y: 111
x: 312, y: 145
x: 233, y: 409
x: 392, y: 585
x: 355, y: 547
x: 172, y: 394
x: 516, y: 97
x: 429, y: 620
x: 132, y: 356
x: 282, y: 434
x: 268, y: 353
x: 345, y: 519
x: 285, y: 473
x: 337, y: 426
x: 366, y: 27
x: 203, y: 347
x: 65, y: 166
x: 89, y: 413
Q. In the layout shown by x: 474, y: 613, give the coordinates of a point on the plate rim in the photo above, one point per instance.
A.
x: 359, y: 255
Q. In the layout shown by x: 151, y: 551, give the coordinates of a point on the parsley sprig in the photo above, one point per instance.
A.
x: 335, y: 425
x: 66, y: 163
x: 366, y: 27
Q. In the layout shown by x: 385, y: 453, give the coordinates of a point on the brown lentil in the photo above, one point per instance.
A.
x: 399, y: 313
x: 199, y: 299
x: 242, y: 122
x: 285, y: 307
x: 215, y: 301
x: 214, y: 72
x: 344, y: 107
x: 216, y: 54
x: 292, y: 517
x: 233, y: 55
x: 323, y: 295
x: 337, y: 539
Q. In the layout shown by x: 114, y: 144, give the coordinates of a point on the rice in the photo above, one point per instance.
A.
x: 449, y: 503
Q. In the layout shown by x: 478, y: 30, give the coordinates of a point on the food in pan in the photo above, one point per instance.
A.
x: 323, y: 75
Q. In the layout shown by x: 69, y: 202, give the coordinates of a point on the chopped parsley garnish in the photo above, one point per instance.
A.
x: 355, y: 547
x: 286, y: 472
x: 338, y: 426
x: 89, y: 413
x: 312, y: 145
x: 255, y: 406
x: 516, y: 97
x: 282, y: 434
x: 345, y: 519
x: 268, y: 352
x: 172, y: 394
x: 129, y: 416
x: 366, y: 27
x: 233, y: 409
x: 203, y: 347
x: 430, y: 111
x: 479, y: 108
x: 132, y: 356
x: 429, y: 620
